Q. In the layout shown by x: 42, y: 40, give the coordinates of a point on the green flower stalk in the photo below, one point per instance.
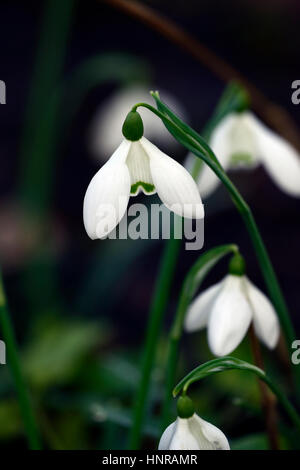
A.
x: 27, y: 412
x: 234, y: 98
x: 196, y: 144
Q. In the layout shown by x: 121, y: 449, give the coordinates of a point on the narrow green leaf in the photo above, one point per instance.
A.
x: 231, y: 363
x: 214, y: 367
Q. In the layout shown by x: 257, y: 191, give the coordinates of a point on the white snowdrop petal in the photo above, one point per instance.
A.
x: 220, y: 142
x: 221, y: 138
x: 230, y: 317
x: 199, y: 310
x: 206, y: 180
x: 281, y: 159
x: 165, y: 440
x: 107, y: 195
x: 209, y: 436
x: 183, y: 438
x: 266, y: 324
x: 174, y: 185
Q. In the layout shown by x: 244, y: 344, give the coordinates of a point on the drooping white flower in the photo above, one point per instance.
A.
x: 242, y: 141
x: 137, y: 165
x: 227, y: 309
x: 193, y: 434
x: 104, y: 136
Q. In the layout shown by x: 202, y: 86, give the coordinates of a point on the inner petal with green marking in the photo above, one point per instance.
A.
x: 242, y: 160
x: 139, y: 169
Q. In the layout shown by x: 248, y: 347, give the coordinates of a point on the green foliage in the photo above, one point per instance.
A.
x: 10, y: 420
x: 58, y: 349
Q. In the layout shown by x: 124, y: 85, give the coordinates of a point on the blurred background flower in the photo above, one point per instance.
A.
x: 105, y: 134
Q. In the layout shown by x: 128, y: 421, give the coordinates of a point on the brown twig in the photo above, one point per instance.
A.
x: 267, y: 397
x: 274, y: 115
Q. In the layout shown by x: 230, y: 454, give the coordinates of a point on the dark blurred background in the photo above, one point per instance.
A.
x: 80, y: 307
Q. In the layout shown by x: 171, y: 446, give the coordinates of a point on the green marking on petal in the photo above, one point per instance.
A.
x: 242, y: 157
x: 148, y: 188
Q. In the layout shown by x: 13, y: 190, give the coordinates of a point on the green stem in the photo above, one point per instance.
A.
x: 13, y: 356
x: 228, y: 102
x: 39, y: 133
x: 39, y: 149
x: 159, y: 302
x: 203, y: 151
x: 191, y: 141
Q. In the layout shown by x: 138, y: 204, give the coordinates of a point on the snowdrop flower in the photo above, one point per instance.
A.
x: 227, y: 309
x: 242, y: 141
x: 137, y: 165
x: 104, y: 135
x: 190, y: 432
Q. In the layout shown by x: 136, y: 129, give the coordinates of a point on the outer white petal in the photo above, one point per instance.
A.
x: 230, y: 317
x: 221, y: 138
x: 199, y: 310
x: 173, y: 183
x: 208, y: 435
x: 265, y: 319
x: 183, y: 438
x: 221, y: 144
x: 165, y: 440
x: 107, y: 195
x: 281, y: 160
x: 106, y: 126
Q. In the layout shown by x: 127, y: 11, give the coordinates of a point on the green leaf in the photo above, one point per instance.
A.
x: 214, y: 367
x: 231, y: 363
x: 176, y: 120
x: 203, y: 265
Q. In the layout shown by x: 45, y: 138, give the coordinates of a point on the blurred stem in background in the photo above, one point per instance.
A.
x: 38, y: 141
x: 273, y: 114
x: 157, y: 309
x: 233, y: 98
x: 268, y: 399
x: 30, y: 426
x: 38, y: 146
